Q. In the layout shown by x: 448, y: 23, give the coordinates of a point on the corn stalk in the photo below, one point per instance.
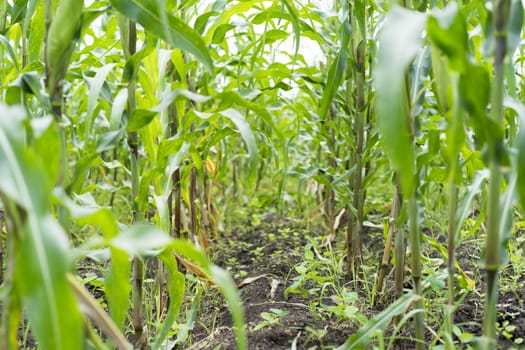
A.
x: 129, y: 37
x: 493, y: 240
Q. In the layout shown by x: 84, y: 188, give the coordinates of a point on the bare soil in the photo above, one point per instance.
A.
x: 268, y: 258
x: 262, y: 261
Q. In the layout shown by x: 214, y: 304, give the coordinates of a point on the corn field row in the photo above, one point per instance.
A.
x: 132, y: 130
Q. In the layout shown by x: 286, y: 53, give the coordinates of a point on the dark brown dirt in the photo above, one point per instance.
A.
x: 268, y: 251
x: 262, y: 250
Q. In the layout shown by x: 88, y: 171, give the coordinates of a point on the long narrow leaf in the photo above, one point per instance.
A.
x: 42, y: 258
x: 400, y: 40
x: 179, y: 34
x: 336, y: 72
x: 519, y: 108
x: 294, y: 17
x: 246, y: 134
x: 378, y: 324
x: 224, y: 281
x: 176, y: 294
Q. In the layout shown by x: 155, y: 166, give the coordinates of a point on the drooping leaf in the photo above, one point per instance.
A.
x: 519, y: 108
x: 141, y: 239
x: 133, y: 63
x: 118, y: 286
x: 18, y: 11
x: 117, y: 109
x: 37, y: 33
x: 224, y: 281
x: 109, y: 140
x: 294, y: 18
x: 400, y: 40
x: 176, y: 295
x: 102, y: 217
x: 226, y: 14
x: 380, y: 322
x: 220, y: 32
x: 336, y: 73
x: 42, y: 257
x: 447, y: 30
x: 142, y: 117
x: 465, y: 205
x: 506, y: 210
x: 64, y: 30
x: 96, y: 87
x: 139, y: 119
x: 202, y: 21
x: 247, y: 135
x: 474, y: 94
x: 10, y: 52
x: 179, y: 34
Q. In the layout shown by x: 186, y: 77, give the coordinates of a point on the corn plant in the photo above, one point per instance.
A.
x: 76, y: 129
x: 471, y: 92
x: 135, y: 134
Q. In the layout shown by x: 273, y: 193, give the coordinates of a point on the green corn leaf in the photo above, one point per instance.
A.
x: 247, y: 135
x: 140, y: 239
x: 42, y: 264
x: 187, y: 249
x: 117, y: 109
x: 37, y: 33
x: 64, y: 30
x: 361, y: 16
x: 139, y: 119
x: 448, y: 31
x: 42, y: 256
x: 102, y: 217
x: 465, y: 206
x: 118, y: 286
x: 176, y: 295
x: 109, y: 140
x: 515, y: 26
x: 336, y: 73
x: 380, y: 322
x: 79, y: 175
x: 519, y: 108
x: 226, y: 15
x: 400, y: 41
x: 46, y: 144
x: 134, y: 62
x: 178, y: 34
x: 90, y: 14
x: 274, y: 35
x: 94, y: 90
x: 202, y: 21
x: 419, y: 71
x: 142, y: 117
x: 10, y: 52
x: 18, y: 11
x: 294, y: 17
x: 474, y: 94
x: 220, y: 32
x: 226, y: 284
x: 29, y: 82
x: 506, y: 211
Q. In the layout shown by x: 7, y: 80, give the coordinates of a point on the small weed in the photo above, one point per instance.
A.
x: 271, y: 318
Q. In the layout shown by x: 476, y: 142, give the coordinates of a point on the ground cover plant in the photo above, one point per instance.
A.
x: 262, y: 174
